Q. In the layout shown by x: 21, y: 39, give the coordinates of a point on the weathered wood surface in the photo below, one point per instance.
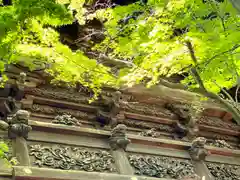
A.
x: 202, y: 170
x: 5, y: 168
x: 53, y: 103
x: 21, y: 151
x: 144, y: 118
x: 141, y: 95
x: 122, y: 162
x: 31, y: 173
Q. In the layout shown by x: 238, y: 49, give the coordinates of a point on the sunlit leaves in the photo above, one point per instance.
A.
x: 151, y: 35
x: 156, y: 41
x: 27, y: 36
x: 77, y: 6
x: 3, y: 149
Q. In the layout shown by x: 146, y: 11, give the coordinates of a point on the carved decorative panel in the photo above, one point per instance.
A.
x: 66, y: 120
x: 150, y: 133
x: 72, y: 158
x: 161, y: 166
x: 60, y: 94
x: 59, y: 111
x: 146, y: 125
x: 224, y: 171
x: 216, y: 122
x: 213, y: 135
x: 148, y: 109
x: 220, y: 144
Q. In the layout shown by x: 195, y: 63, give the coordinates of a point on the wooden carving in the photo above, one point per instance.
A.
x: 197, y: 150
x: 148, y: 109
x: 66, y: 120
x: 60, y: 94
x: 220, y: 144
x: 161, y: 167
x: 111, y: 108
x: 224, y: 171
x: 118, y: 139
x: 186, y: 125
x: 18, y: 124
x: 60, y: 111
x: 217, y: 122
x: 11, y: 95
x: 72, y: 158
x: 150, y: 133
x: 146, y: 125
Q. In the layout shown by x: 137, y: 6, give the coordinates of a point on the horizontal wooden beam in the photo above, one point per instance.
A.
x: 148, y: 118
x: 89, y: 108
x: 59, y: 103
x: 32, y: 173
x: 157, y: 142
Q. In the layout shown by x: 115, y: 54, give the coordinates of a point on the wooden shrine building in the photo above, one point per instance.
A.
x: 53, y: 133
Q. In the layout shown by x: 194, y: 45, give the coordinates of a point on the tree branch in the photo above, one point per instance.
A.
x: 172, y: 85
x: 205, y: 92
x: 193, y: 68
x: 224, y: 91
x: 236, y: 93
x: 105, y: 60
x: 88, y: 36
x: 236, y: 4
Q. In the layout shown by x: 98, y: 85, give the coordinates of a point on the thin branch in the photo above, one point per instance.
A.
x: 238, y: 82
x: 222, y: 53
x: 224, y: 91
x: 87, y: 36
x: 227, y: 105
x: 236, y: 93
x: 193, y: 68
x: 205, y: 92
x: 105, y: 60
x: 223, y: 23
x: 231, y: 100
x: 172, y: 85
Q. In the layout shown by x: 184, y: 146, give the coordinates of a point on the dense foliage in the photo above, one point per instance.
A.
x: 196, y: 38
x: 27, y: 35
x: 155, y: 41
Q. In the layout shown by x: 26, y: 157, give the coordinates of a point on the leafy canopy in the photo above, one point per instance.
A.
x: 155, y: 41
x: 27, y: 36
x: 151, y: 35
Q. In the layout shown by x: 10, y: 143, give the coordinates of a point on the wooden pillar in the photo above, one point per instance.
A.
x: 118, y: 143
x: 198, y: 155
x: 21, y: 151
x: 202, y: 170
x: 122, y: 162
x: 18, y: 132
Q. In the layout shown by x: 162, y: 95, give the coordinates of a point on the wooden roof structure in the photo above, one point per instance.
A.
x: 138, y: 133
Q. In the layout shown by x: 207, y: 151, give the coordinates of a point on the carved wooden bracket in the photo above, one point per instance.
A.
x: 18, y: 124
x: 118, y: 139
x: 110, y: 114
x: 27, y: 102
x: 197, y: 150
